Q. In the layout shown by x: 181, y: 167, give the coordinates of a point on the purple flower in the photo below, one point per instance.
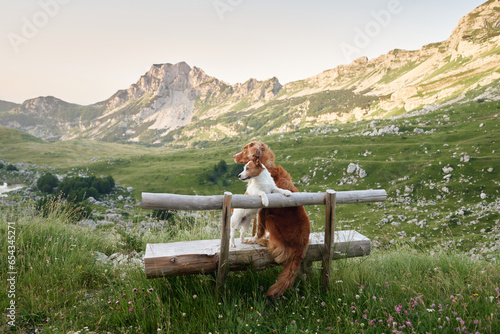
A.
x: 293, y: 322
x: 130, y: 309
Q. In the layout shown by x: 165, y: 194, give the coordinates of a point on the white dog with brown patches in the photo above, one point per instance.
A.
x: 261, y: 185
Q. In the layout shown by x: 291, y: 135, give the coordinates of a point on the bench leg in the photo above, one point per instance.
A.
x: 224, y: 243
x: 331, y: 197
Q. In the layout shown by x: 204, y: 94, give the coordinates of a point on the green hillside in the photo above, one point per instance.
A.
x: 18, y: 137
x: 439, y: 170
x: 6, y: 106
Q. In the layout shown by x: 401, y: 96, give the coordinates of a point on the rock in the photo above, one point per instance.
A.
x: 483, y: 196
x: 351, y: 168
x: 465, y: 157
x: 356, y: 169
x: 447, y: 169
x: 130, y: 189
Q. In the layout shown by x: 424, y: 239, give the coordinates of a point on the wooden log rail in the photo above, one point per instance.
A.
x: 201, y: 256
x: 188, y: 202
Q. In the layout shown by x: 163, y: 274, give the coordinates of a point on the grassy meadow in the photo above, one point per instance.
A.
x: 436, y: 239
x: 60, y: 288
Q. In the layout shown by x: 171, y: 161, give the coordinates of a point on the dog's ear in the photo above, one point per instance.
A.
x: 257, y: 162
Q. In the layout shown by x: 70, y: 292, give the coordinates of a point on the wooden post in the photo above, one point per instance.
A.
x: 224, y: 242
x: 330, y: 201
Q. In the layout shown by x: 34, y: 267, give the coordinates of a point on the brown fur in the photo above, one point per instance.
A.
x: 256, y: 149
x: 288, y: 228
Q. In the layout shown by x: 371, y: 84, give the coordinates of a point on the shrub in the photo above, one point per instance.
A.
x: 221, y: 173
x: 1, y: 165
x: 47, y: 183
x: 11, y: 168
x: 77, y: 188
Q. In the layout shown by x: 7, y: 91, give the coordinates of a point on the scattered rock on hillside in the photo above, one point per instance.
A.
x: 356, y: 169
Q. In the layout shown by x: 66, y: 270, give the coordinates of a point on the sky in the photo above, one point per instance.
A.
x: 83, y: 51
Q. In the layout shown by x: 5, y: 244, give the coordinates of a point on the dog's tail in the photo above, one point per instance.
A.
x: 291, y: 265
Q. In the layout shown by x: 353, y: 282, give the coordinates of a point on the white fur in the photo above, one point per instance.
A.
x: 261, y: 185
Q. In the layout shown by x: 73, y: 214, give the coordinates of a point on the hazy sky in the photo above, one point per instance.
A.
x: 83, y: 51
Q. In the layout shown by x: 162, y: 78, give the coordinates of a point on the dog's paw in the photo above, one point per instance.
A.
x: 287, y: 193
x: 250, y: 241
x: 265, y: 201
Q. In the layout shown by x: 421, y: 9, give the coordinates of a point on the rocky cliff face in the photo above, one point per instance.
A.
x: 182, y: 104
x: 168, y: 96
x: 469, y: 58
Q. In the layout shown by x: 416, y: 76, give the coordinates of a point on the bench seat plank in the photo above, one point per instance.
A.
x: 201, y: 256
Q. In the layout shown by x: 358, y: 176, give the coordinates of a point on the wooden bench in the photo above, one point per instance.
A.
x: 209, y: 256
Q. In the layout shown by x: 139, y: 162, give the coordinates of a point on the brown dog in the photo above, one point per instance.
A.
x: 288, y: 228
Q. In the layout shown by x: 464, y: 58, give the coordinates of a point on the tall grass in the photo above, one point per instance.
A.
x: 61, y: 288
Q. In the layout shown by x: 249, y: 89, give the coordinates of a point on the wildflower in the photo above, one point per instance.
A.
x: 293, y: 322
x: 339, y: 281
x: 195, y: 296
x: 374, y: 298
x: 387, y: 284
x: 475, y: 295
x: 123, y: 295
x: 130, y: 303
x: 183, y: 314
x: 430, y: 310
x: 117, y: 302
x: 220, y: 316
x: 323, y: 304
x: 150, y: 289
x: 130, y: 309
x: 362, y: 287
x: 303, y: 297
x: 134, y: 290
x: 144, y: 309
x: 356, y: 296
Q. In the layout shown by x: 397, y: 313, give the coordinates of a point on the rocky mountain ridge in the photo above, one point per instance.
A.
x: 182, y: 105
